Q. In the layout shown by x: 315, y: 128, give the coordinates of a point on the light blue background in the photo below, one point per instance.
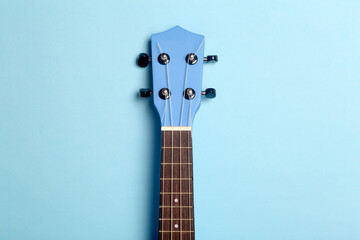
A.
x: 276, y: 153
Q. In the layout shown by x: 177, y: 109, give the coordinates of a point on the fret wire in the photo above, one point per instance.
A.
x: 176, y: 179
x: 183, y: 219
x: 176, y: 206
x: 176, y: 193
x: 177, y: 163
x: 177, y: 147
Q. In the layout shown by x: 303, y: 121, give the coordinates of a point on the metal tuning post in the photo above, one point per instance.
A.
x: 143, y: 60
x: 209, y: 93
x: 145, y: 92
x: 211, y: 59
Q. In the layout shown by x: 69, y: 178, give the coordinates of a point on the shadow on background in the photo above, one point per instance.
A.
x: 152, y: 119
x: 154, y: 178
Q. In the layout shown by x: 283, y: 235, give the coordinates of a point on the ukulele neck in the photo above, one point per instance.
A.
x: 176, y: 212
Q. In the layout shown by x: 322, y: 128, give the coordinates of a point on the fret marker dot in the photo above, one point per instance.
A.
x: 176, y: 225
x: 176, y: 200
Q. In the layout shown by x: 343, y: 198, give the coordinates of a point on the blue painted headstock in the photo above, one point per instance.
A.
x: 177, y: 65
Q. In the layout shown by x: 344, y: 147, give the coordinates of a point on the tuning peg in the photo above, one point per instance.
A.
x: 145, y: 92
x: 209, y: 93
x: 143, y: 60
x: 211, y: 58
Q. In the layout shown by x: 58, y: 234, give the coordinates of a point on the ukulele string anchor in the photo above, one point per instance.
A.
x: 189, y: 93
x: 191, y: 59
x: 164, y: 93
x: 164, y: 58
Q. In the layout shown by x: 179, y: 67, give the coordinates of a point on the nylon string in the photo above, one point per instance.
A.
x: 188, y: 166
x: 185, y: 82
x: 168, y: 85
x: 172, y: 148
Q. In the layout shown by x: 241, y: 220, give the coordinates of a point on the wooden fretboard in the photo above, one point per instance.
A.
x: 176, y: 210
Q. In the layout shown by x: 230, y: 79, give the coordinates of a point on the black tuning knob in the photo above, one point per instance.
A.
x: 143, y: 60
x: 145, y: 92
x: 209, y: 93
x: 211, y: 58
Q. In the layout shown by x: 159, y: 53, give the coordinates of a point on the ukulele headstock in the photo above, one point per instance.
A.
x: 177, y: 65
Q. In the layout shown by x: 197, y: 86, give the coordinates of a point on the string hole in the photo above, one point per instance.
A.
x: 164, y: 93
x: 164, y: 58
x: 191, y: 59
x: 189, y: 93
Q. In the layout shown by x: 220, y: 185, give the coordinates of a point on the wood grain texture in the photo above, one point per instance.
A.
x: 176, y: 210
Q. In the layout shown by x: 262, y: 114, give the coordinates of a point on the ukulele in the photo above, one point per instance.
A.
x: 177, y: 65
